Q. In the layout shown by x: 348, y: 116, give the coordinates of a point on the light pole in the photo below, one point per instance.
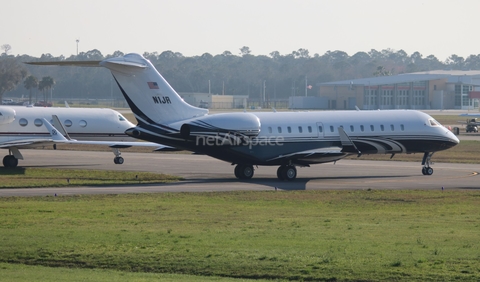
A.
x: 78, y: 40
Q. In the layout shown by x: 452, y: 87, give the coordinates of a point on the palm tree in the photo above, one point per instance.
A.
x: 46, y: 84
x: 29, y: 83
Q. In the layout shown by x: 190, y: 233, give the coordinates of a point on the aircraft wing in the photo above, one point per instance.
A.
x: 26, y: 143
x: 317, y: 155
x: 328, y: 154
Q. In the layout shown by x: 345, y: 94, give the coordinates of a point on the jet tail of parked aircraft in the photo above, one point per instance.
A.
x: 138, y: 79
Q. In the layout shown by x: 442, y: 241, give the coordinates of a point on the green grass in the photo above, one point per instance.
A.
x: 311, y: 235
x: 43, y: 177
x: 28, y: 273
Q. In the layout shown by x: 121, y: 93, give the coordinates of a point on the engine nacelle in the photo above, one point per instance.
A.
x: 7, y: 115
x: 222, y: 129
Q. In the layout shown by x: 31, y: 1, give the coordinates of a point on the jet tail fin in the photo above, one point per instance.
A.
x: 148, y: 94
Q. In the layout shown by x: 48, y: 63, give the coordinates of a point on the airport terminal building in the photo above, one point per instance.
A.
x: 422, y: 90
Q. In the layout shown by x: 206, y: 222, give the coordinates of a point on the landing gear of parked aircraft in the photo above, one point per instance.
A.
x: 427, y: 170
x: 243, y: 171
x: 10, y: 161
x: 287, y: 172
x: 118, y: 160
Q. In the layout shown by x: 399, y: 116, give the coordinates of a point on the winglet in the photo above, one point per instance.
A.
x: 58, y: 125
x: 347, y: 143
x: 54, y: 132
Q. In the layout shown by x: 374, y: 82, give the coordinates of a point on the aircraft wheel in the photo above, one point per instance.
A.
x: 244, y: 171
x: 237, y: 172
x: 429, y: 171
x: 280, y: 172
x: 289, y: 173
x: 10, y: 161
x: 118, y: 160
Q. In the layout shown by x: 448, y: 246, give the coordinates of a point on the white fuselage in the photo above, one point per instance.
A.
x: 20, y: 122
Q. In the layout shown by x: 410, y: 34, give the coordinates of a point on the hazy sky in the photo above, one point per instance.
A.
x: 194, y: 27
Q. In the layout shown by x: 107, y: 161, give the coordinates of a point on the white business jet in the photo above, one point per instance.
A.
x: 23, y: 127
x: 284, y: 139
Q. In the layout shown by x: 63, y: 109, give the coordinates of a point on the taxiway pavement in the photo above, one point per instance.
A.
x: 203, y: 173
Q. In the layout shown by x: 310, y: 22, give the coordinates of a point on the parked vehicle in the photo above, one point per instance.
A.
x: 472, y: 125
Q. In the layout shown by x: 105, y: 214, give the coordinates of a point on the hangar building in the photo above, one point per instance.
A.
x: 441, y: 89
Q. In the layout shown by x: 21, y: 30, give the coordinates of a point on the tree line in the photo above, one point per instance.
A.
x: 280, y: 76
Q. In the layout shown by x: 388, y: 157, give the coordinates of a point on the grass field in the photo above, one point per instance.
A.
x: 307, y: 235
x: 44, y: 177
x: 368, y: 235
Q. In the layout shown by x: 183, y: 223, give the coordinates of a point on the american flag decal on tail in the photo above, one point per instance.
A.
x: 152, y: 85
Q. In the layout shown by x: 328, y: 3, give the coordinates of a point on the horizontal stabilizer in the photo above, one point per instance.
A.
x: 67, y: 63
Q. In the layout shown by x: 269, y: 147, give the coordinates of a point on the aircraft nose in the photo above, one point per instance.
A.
x: 454, y: 139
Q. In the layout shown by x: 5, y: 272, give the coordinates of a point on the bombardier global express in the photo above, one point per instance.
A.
x: 284, y: 139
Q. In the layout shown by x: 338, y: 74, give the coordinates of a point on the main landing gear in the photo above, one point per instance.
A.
x: 427, y: 170
x: 287, y: 172
x: 10, y: 161
x: 118, y: 159
x: 284, y: 172
x: 243, y: 171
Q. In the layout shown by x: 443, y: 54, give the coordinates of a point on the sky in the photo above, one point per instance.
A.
x: 194, y: 27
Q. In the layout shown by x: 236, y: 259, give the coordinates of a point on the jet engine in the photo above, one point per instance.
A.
x: 222, y: 129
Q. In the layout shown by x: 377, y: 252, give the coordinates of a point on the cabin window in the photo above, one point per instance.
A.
x: 269, y: 129
x: 402, y: 127
x: 300, y: 129
x: 372, y: 128
x: 310, y: 129
x: 392, y: 127
x: 38, y: 122
x: 352, y: 128
x: 362, y: 128
x: 331, y: 128
x: 289, y: 129
x: 382, y: 128
x: 320, y: 129
x: 279, y: 129
x: 23, y: 122
x: 82, y: 123
x: 68, y: 123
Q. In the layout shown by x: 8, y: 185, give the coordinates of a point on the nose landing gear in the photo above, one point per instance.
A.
x: 427, y: 170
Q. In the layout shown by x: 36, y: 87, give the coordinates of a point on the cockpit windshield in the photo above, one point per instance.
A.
x: 434, y: 122
x: 121, y: 118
